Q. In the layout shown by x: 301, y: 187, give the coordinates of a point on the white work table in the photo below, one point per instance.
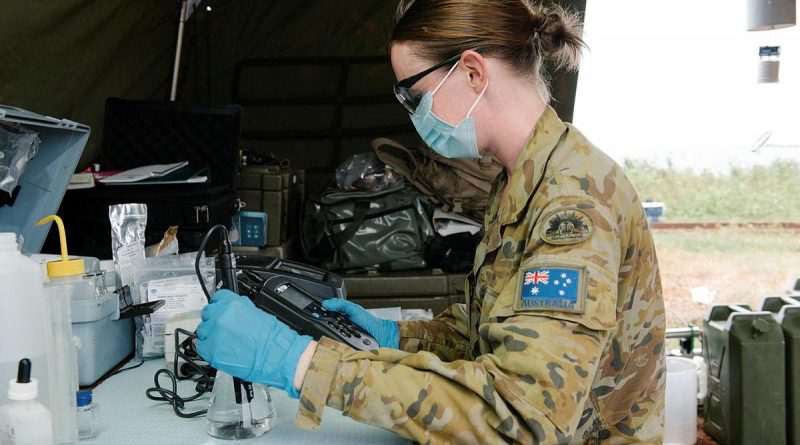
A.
x: 129, y: 417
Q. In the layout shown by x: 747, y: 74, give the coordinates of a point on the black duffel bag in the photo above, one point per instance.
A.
x: 367, y: 230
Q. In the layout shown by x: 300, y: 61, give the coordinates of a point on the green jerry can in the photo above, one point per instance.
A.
x: 746, y: 402
x: 787, y: 314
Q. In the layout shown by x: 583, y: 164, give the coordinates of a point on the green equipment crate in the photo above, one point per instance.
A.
x: 288, y: 250
x: 746, y: 402
x: 419, y: 289
x: 787, y: 313
x: 278, y: 192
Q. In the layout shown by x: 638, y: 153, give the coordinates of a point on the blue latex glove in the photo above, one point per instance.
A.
x: 385, y: 331
x: 238, y: 338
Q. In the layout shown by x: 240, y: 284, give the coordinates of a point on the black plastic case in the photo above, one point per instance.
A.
x: 140, y: 133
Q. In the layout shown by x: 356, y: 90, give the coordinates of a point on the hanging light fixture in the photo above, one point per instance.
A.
x: 763, y: 15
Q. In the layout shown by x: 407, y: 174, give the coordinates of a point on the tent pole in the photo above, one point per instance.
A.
x: 176, y: 68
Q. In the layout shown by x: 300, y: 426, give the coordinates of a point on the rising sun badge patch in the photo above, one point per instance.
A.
x: 566, y: 226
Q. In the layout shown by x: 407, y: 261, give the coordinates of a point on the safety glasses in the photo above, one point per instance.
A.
x: 402, y: 89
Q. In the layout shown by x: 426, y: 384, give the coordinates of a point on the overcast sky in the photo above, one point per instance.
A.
x: 676, y: 79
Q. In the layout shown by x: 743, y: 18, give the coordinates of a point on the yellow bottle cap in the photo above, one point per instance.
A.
x: 66, y: 267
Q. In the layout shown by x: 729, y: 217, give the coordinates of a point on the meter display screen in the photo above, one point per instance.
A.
x: 294, y: 296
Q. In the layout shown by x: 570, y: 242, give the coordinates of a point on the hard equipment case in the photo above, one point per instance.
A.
x: 278, y: 192
x: 140, y: 133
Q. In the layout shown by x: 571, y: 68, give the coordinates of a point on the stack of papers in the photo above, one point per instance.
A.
x: 177, y: 173
x: 81, y: 181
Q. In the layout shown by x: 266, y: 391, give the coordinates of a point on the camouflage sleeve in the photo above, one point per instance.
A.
x: 446, y: 336
x: 541, y: 353
x: 529, y: 390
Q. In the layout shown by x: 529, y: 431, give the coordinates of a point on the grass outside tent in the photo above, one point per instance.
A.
x: 756, y: 194
x: 736, y: 265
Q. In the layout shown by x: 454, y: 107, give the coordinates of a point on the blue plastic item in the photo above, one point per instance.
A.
x: 42, y: 185
x: 83, y: 397
x: 251, y: 227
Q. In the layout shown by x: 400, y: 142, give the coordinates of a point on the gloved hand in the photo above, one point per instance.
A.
x: 385, y: 331
x: 238, y: 338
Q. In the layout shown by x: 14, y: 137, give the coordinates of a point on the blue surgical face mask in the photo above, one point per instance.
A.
x: 451, y: 141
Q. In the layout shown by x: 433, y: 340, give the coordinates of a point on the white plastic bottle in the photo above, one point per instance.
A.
x: 24, y: 318
x: 66, y: 283
x: 24, y: 421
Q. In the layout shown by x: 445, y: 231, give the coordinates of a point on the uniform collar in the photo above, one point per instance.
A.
x: 530, y: 165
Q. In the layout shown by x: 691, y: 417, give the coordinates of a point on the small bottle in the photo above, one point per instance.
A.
x: 88, y: 418
x: 24, y: 421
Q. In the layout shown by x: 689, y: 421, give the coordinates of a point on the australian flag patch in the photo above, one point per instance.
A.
x: 551, y: 289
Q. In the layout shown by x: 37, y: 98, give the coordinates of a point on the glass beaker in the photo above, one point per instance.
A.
x: 232, y: 419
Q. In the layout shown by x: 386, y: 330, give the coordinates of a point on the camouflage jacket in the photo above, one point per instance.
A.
x: 561, y: 340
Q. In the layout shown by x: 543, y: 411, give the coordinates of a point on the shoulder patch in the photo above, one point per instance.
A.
x: 561, y: 289
x: 566, y: 226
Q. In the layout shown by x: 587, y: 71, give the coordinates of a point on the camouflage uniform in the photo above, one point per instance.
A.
x: 511, y: 366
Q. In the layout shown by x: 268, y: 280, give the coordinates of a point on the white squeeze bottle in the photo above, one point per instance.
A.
x: 66, y: 280
x: 24, y: 316
x: 24, y: 421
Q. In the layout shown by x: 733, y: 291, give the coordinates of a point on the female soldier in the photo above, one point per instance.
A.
x: 562, y: 336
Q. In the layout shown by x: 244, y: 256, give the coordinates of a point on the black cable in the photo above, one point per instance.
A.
x: 171, y: 396
x: 204, y: 375
x: 200, y: 252
x: 126, y: 369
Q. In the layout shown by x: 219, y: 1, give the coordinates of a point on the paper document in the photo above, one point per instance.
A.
x: 185, y: 175
x: 81, y: 181
x: 398, y: 314
x: 145, y: 172
x: 180, y: 295
x: 387, y: 313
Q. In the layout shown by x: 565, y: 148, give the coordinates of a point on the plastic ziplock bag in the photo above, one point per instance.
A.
x: 18, y: 145
x: 128, y: 223
x: 363, y: 171
x: 174, y: 280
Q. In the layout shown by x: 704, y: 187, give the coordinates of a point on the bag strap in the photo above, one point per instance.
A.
x: 329, y: 244
x: 402, y: 160
x: 405, y: 164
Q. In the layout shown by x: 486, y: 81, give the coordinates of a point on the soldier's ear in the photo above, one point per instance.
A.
x: 474, y: 64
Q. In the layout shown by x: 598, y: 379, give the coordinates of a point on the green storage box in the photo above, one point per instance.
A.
x: 251, y: 199
x: 418, y: 289
x: 417, y: 283
x: 787, y: 314
x: 435, y: 304
x: 288, y: 250
x: 746, y: 402
x: 276, y: 191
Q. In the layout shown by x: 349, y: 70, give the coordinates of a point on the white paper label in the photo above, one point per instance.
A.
x: 180, y: 295
x: 128, y: 256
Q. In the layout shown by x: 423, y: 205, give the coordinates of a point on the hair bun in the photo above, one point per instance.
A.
x: 558, y: 33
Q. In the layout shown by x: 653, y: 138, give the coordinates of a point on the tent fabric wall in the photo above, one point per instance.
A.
x: 236, y: 32
x: 63, y: 58
x: 244, y: 29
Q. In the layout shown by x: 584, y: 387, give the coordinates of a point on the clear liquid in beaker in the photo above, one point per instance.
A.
x: 230, y: 420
